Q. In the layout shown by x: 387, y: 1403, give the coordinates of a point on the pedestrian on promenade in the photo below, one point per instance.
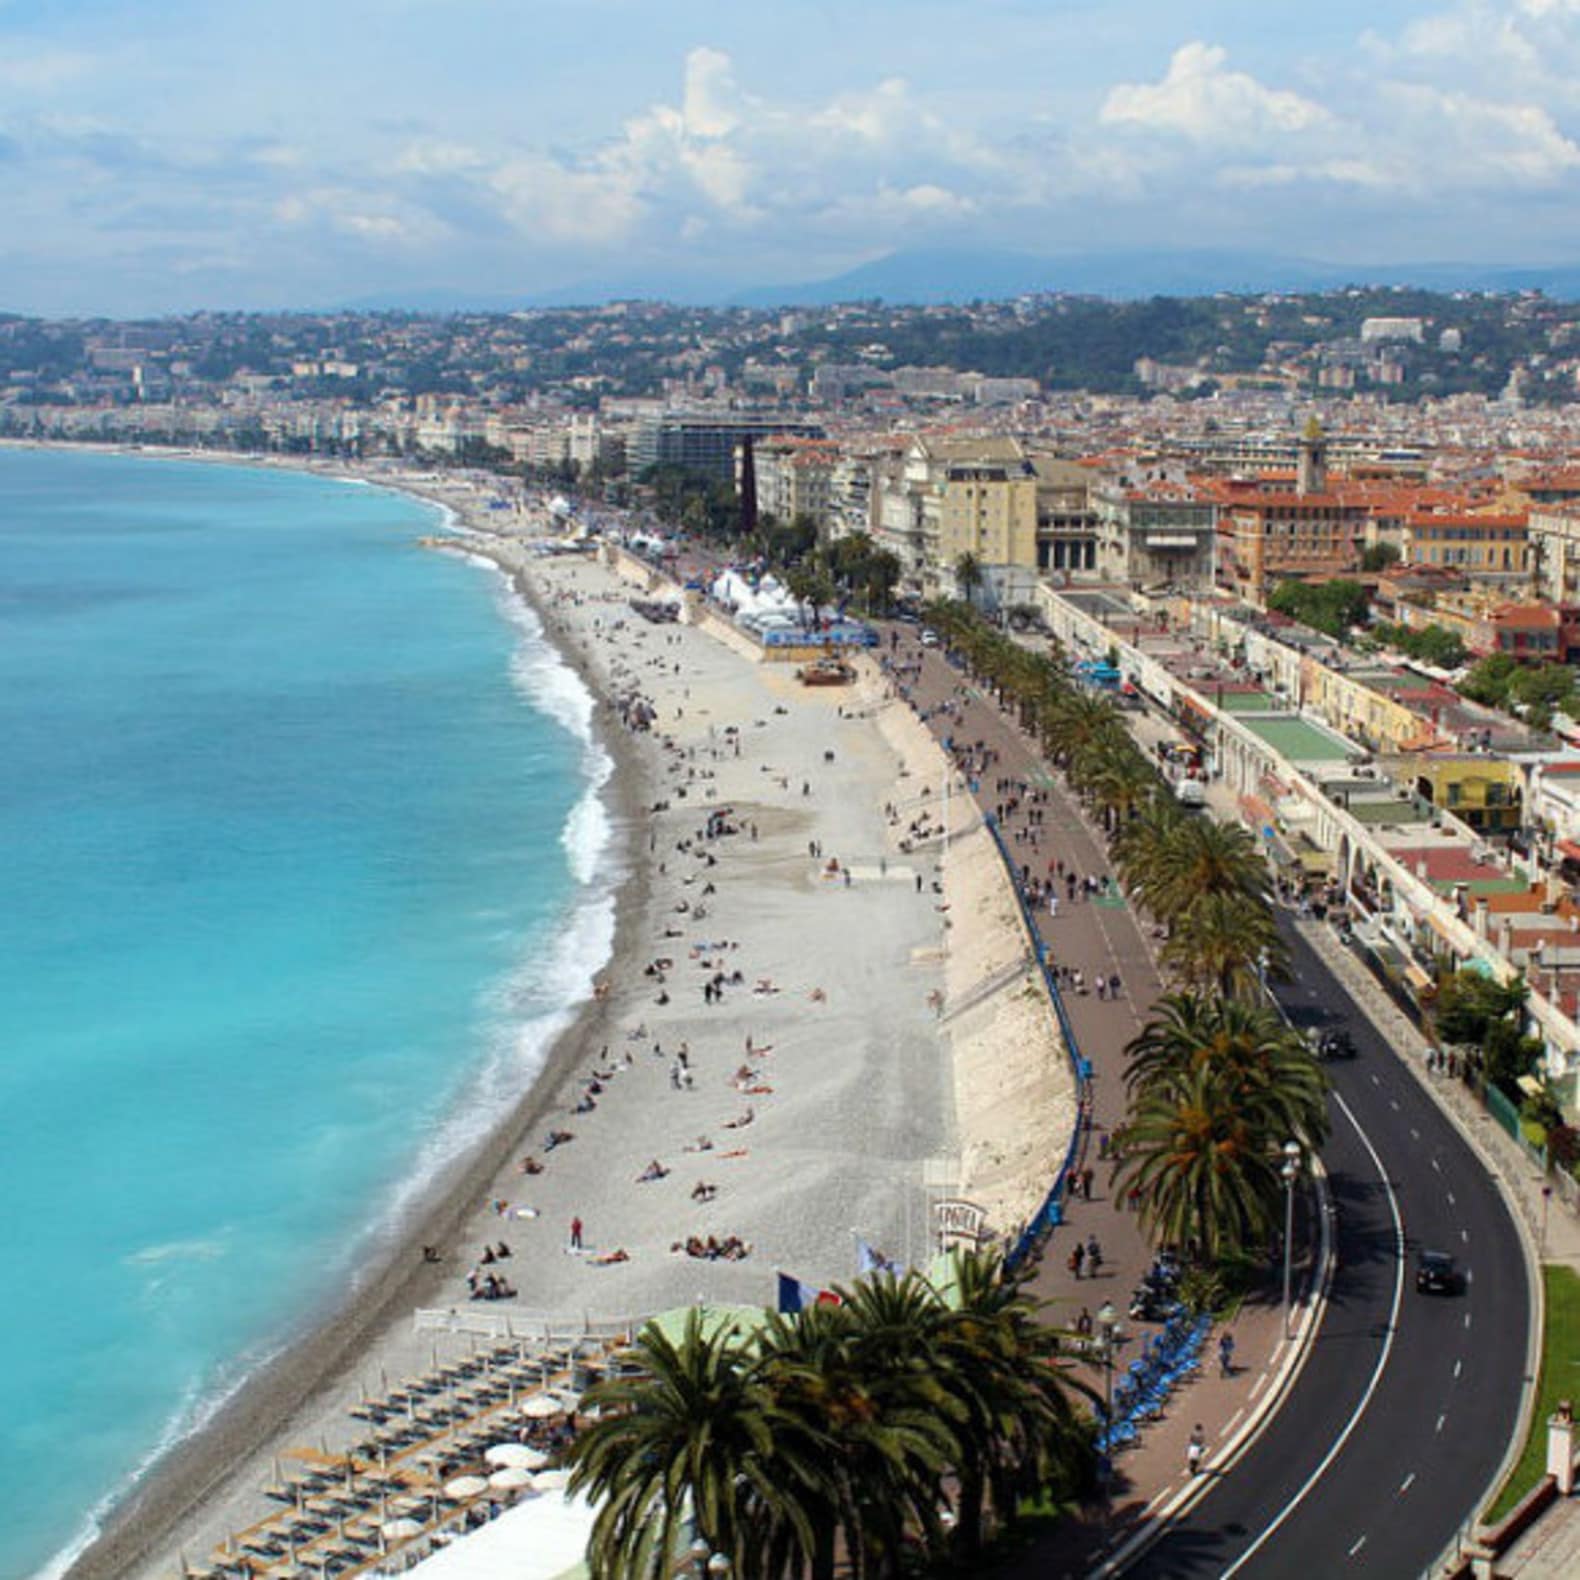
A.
x: 1077, y: 1257
x: 1195, y: 1449
x: 1086, y: 1184
x: 576, y: 1234
x: 1226, y: 1355
x: 1094, y: 1255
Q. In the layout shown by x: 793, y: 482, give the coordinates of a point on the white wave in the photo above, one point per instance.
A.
x: 176, y: 1251
x: 199, y: 1405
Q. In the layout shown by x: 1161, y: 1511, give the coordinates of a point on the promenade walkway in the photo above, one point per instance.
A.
x: 1102, y: 935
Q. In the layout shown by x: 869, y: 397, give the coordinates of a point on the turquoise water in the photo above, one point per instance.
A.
x: 299, y: 862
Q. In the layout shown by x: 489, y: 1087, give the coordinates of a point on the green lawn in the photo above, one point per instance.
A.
x: 1560, y: 1379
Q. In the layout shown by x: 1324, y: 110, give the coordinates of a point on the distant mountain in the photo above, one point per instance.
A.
x: 933, y: 275
x: 949, y: 275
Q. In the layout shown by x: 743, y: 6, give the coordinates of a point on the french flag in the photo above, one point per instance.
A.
x: 795, y: 1296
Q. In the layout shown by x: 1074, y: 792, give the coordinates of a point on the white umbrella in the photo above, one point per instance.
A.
x: 516, y: 1454
x: 541, y: 1406
x: 399, y: 1530
x: 551, y: 1480
x: 465, y: 1487
x: 511, y: 1476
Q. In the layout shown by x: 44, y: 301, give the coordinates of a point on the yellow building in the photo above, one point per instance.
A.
x: 1357, y: 705
x: 1480, y: 545
x: 1483, y: 792
x: 987, y: 509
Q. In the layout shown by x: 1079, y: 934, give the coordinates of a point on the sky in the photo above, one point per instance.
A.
x: 165, y: 155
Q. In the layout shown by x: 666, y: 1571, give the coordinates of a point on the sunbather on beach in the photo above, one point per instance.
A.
x: 742, y: 1121
x: 654, y: 1171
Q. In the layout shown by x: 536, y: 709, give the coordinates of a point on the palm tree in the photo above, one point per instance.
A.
x: 1021, y: 1428
x: 969, y: 577
x: 699, y: 1437
x: 1225, y: 942
x: 1120, y: 781
x: 1194, y: 857
x: 1248, y: 1046
x: 1203, y: 1164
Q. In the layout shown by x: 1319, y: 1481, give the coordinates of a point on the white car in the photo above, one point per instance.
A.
x: 929, y: 638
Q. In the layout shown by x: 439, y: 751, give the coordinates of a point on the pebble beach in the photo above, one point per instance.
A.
x: 787, y: 1052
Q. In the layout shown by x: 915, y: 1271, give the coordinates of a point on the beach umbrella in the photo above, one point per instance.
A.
x: 464, y: 1487
x: 512, y: 1476
x: 551, y: 1480
x: 399, y: 1530
x: 541, y: 1406
x: 518, y: 1455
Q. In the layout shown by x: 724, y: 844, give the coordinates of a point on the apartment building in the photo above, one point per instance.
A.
x: 1481, y: 546
x: 1066, y: 517
x: 794, y: 478
x: 1157, y: 534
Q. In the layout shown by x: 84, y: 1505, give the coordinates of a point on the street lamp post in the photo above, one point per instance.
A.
x: 1108, y: 1326
x: 1290, y: 1173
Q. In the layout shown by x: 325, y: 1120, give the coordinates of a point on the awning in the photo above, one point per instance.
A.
x: 1419, y: 979
x: 1569, y: 849
x: 1317, y: 862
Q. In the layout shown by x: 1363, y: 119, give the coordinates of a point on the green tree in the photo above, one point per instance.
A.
x: 968, y: 576
x: 1203, y: 1164
x: 700, y: 1437
x: 1174, y: 861
x: 1246, y: 1045
x: 1225, y: 942
x: 1379, y: 557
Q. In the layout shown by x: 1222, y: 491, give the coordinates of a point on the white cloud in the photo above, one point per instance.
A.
x: 1199, y: 98
x: 44, y: 70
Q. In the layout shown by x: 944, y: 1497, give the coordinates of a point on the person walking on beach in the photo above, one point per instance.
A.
x: 576, y: 1234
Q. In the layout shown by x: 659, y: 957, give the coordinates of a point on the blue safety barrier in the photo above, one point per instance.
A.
x: 1050, y: 1214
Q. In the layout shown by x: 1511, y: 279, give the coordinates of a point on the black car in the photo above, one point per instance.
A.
x: 1335, y: 1043
x: 1437, y: 1274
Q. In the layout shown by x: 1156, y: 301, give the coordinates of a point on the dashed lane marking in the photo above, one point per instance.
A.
x: 1440, y: 1420
x: 1404, y: 1486
x: 1360, y: 1542
x: 1459, y: 1366
x: 1415, y: 1135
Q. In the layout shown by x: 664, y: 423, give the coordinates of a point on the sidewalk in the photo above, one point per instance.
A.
x: 1103, y: 935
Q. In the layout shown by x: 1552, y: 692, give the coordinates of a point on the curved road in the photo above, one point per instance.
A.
x: 1406, y: 1404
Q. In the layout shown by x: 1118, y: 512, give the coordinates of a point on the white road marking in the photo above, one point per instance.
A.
x: 1440, y: 1420
x: 1415, y: 1135
x: 1438, y: 1167
x: 1375, y: 1081
x: 1464, y: 1235
x: 1337, y: 1446
x: 1459, y: 1366
x: 1467, y: 1319
x: 1256, y: 1387
x: 1404, y: 1486
x: 1451, y: 1198
x: 1360, y: 1543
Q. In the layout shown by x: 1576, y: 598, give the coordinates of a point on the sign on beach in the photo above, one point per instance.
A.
x: 959, y: 1222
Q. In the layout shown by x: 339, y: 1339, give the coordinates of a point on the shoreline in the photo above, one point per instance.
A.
x: 206, y: 1485
x: 324, y: 1342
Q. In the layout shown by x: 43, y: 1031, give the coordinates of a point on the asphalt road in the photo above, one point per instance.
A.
x: 1406, y: 1404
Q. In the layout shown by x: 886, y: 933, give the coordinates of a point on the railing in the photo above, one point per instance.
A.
x: 512, y: 1322
x: 1050, y: 1213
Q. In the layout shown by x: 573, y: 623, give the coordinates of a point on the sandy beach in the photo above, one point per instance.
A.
x: 811, y: 1032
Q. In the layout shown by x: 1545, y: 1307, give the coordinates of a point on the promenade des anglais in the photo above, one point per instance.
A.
x: 789, y: 794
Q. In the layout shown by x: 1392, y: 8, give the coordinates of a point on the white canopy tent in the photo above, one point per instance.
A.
x: 544, y: 1538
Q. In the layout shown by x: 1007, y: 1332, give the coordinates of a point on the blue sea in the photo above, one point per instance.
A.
x: 302, y: 864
